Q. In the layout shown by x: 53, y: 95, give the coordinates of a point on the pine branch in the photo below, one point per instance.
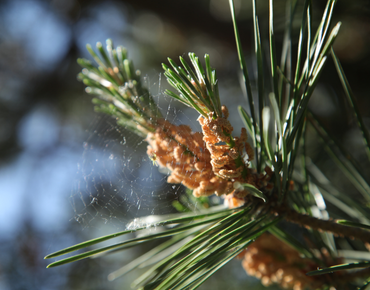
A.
x: 215, y: 162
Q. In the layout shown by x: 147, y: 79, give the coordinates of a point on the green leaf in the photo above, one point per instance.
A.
x: 260, y: 76
x: 281, y: 142
x: 247, y: 121
x: 342, y: 158
x: 341, y: 267
x: 340, y: 199
x: 129, y: 243
x: 200, y: 254
x: 200, y: 93
x: 285, y: 69
x: 251, y: 189
x: 182, y: 219
x: 188, y: 247
x: 294, y: 243
x: 353, y: 224
x: 213, y: 93
x: 266, y: 121
x: 188, y: 87
x: 353, y: 102
x: 299, y: 52
x: 248, y: 87
x: 173, y: 95
x: 274, y: 75
x: 138, y: 262
x: 204, y: 277
x: 95, y: 56
x: 211, y: 261
x: 104, y: 55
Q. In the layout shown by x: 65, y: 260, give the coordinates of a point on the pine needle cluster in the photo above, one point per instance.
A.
x: 263, y: 174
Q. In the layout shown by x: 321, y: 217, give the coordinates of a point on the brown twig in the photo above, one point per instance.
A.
x: 323, y: 225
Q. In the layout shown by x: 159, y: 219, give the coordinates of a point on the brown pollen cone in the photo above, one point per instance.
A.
x: 273, y: 261
x: 184, y: 153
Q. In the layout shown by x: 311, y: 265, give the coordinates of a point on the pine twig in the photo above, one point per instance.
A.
x: 330, y: 226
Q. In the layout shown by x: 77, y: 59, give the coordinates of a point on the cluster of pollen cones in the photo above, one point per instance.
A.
x: 272, y: 261
x: 204, y: 162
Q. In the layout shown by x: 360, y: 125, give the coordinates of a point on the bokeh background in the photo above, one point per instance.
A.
x: 47, y: 120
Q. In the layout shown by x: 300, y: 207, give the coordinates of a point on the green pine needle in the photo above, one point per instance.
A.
x: 341, y: 267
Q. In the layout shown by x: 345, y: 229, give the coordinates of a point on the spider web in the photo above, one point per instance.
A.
x: 116, y: 180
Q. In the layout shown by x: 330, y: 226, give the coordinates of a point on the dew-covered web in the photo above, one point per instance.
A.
x: 116, y: 179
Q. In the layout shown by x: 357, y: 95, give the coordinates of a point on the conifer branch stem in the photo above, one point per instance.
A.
x: 330, y: 226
